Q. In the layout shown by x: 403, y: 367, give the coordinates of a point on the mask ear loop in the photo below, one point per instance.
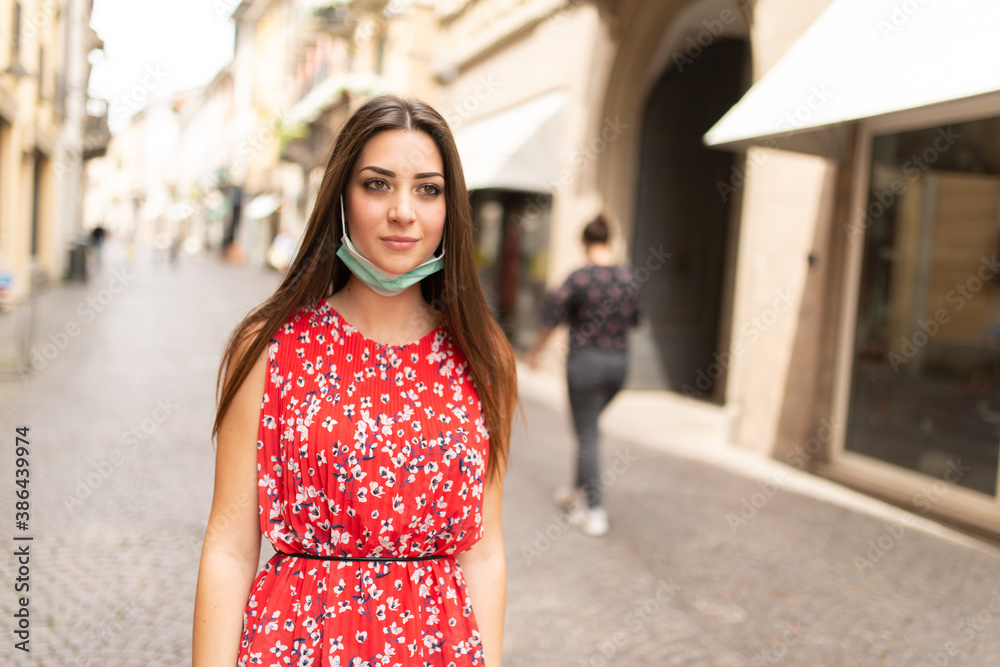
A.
x: 343, y: 218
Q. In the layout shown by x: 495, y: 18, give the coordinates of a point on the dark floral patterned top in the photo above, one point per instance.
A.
x: 599, y: 303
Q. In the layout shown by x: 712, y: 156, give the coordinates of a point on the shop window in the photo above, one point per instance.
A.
x: 925, y: 392
x: 512, y: 242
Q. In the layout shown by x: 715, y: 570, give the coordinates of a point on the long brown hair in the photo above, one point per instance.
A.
x: 317, y: 272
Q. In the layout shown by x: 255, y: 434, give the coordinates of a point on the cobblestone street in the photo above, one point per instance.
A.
x: 705, y: 565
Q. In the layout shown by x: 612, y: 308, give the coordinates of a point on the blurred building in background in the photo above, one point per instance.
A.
x: 46, y: 135
x: 809, y: 191
x: 132, y: 188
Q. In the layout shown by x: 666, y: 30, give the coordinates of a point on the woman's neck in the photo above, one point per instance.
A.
x: 393, y: 320
x: 599, y: 254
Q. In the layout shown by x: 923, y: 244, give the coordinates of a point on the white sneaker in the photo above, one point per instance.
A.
x: 591, y: 521
x: 568, y: 499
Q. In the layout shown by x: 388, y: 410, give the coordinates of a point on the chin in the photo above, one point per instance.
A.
x: 398, y: 267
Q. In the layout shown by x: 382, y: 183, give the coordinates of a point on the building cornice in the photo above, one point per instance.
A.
x: 481, y: 27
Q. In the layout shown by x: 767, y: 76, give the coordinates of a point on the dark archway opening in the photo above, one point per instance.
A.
x: 682, y: 211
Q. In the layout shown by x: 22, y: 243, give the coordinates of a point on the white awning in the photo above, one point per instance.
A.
x: 863, y: 59
x: 516, y: 149
x: 262, y: 206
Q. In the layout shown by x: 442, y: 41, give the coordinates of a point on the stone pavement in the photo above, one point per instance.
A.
x: 120, y: 410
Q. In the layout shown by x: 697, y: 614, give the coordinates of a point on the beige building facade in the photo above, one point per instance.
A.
x: 815, y: 236
x: 43, y: 142
x: 827, y: 323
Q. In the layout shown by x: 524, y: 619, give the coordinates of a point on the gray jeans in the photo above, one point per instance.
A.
x: 594, y: 377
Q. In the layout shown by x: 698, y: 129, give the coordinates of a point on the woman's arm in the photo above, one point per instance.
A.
x: 536, y: 349
x: 484, y: 568
x: 556, y: 310
x: 231, y: 550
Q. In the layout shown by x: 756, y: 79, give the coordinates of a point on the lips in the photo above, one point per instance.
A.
x: 399, y: 242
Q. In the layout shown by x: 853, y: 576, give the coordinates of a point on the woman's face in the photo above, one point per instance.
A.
x: 395, y: 203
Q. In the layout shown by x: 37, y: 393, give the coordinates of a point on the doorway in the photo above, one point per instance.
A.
x: 681, y: 212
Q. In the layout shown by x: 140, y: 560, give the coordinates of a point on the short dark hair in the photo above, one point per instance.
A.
x: 596, y: 231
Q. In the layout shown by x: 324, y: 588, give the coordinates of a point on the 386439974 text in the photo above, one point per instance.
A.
x: 22, y: 541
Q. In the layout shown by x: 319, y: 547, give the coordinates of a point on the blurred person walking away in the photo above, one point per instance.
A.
x: 97, y: 235
x: 174, y: 252
x: 600, y: 302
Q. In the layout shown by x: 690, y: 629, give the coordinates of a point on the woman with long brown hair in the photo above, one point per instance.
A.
x: 363, y: 425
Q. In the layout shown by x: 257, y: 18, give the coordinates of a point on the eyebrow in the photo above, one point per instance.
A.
x: 391, y: 174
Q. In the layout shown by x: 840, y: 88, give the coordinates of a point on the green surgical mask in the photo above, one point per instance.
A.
x: 382, y: 282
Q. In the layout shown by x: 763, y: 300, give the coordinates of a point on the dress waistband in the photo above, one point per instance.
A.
x: 364, y: 559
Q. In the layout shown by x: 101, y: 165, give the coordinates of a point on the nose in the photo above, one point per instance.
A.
x: 402, y: 211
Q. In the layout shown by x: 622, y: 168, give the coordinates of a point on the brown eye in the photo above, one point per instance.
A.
x: 376, y: 184
x: 429, y: 189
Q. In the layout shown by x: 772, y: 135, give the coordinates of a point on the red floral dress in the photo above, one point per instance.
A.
x: 365, y: 449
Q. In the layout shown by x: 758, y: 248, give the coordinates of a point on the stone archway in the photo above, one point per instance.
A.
x: 662, y: 183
